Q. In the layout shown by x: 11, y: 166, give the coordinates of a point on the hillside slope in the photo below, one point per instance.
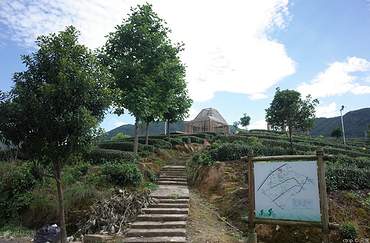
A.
x: 356, y: 124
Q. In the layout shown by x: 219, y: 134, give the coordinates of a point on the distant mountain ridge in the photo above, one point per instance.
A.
x: 155, y: 128
x: 356, y: 124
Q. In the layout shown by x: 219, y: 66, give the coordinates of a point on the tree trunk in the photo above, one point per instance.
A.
x: 290, y: 139
x: 168, y: 128
x: 62, y: 220
x: 147, y: 133
x: 136, y: 135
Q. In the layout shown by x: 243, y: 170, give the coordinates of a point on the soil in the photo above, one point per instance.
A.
x: 204, y: 224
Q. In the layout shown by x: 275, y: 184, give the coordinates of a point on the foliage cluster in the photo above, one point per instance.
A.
x: 122, y: 173
x: 100, y: 156
x: 348, y: 231
x: 125, y: 146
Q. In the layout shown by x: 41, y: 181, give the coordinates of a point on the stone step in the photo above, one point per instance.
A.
x: 166, y: 200
x: 170, y: 205
x: 179, y: 174
x: 158, y: 225
x: 165, y: 210
x: 173, y: 178
x: 170, y: 196
x: 155, y: 240
x: 156, y: 232
x: 173, y: 171
x: 162, y: 217
x: 174, y: 167
x: 165, y: 182
x: 172, y: 182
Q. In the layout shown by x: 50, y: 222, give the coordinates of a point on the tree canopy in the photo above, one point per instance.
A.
x: 289, y: 110
x: 145, y: 65
x: 56, y: 102
x: 245, y: 120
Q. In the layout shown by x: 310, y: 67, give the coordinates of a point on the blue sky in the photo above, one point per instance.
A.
x: 236, y: 52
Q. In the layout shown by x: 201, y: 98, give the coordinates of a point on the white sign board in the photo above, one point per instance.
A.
x: 287, y: 190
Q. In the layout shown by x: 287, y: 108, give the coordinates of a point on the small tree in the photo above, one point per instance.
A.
x: 119, y: 137
x: 56, y: 103
x: 245, y: 120
x: 337, y: 133
x: 178, y: 109
x: 289, y: 110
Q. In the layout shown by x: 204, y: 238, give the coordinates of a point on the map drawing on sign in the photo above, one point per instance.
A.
x: 282, y: 183
x: 287, y: 190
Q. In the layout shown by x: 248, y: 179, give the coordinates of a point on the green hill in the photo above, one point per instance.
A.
x: 155, y: 128
x: 356, y: 124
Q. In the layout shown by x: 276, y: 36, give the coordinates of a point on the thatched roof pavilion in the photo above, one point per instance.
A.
x: 208, y: 120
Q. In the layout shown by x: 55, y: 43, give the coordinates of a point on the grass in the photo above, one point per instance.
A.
x: 9, y: 231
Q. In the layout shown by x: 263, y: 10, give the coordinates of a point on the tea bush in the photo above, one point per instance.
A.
x: 203, y: 158
x: 230, y: 151
x: 16, y: 183
x: 125, y: 146
x: 348, y: 231
x: 341, y: 177
x: 99, y: 155
x: 122, y: 174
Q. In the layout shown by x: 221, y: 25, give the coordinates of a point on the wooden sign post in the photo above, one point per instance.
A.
x: 288, y: 190
x: 252, y: 235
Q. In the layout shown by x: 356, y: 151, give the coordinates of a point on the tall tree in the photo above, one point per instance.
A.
x: 139, y: 54
x: 245, y: 120
x: 289, y: 110
x: 56, y: 103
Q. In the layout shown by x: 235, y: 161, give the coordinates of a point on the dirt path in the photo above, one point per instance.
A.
x: 204, y: 226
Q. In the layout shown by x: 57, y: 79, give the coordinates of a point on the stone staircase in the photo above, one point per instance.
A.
x: 164, y: 221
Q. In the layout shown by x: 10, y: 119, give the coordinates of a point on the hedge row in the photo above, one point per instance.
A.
x: 234, y: 151
x: 122, y: 174
x: 99, y: 155
x: 347, y: 178
x: 344, y: 160
x: 309, y: 141
x: 125, y: 146
x: 156, y: 142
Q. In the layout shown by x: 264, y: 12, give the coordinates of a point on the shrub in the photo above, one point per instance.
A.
x: 359, y: 162
x: 125, y: 146
x: 348, y: 231
x: 99, y: 156
x: 186, y: 139
x: 347, y: 178
x: 230, y: 151
x: 122, y: 174
x: 175, y: 141
x: 203, y: 158
x: 194, y: 139
x: 16, y: 183
x: 73, y: 173
x: 158, y: 143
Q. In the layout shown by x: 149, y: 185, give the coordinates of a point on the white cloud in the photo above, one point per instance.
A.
x: 339, y: 78
x: 119, y: 123
x: 259, y: 124
x: 329, y: 110
x: 227, y: 43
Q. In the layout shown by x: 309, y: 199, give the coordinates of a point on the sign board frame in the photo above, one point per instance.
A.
x: 324, y: 209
